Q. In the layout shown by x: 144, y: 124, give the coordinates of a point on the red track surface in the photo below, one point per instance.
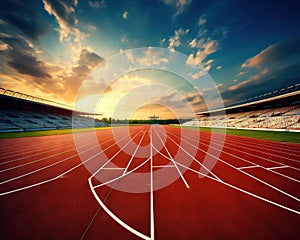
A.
x: 252, y: 192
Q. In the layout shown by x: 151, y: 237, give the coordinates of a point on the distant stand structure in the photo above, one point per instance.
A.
x: 154, y: 118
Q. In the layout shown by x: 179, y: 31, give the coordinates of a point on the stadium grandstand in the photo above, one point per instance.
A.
x: 278, y: 112
x: 23, y: 112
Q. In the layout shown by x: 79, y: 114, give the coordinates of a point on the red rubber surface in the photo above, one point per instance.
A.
x: 45, y: 192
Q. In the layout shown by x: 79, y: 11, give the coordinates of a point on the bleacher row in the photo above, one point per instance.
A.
x: 27, y: 121
x: 275, y: 118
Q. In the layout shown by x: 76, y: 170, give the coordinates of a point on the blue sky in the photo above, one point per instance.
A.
x: 49, y: 47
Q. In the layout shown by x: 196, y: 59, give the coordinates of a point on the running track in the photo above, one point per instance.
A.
x: 46, y: 191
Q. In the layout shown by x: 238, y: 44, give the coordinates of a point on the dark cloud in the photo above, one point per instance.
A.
x: 21, y: 57
x: 274, y: 68
x: 89, y: 59
x: 275, y: 54
x: 25, y: 63
x: 72, y: 82
x: 63, y: 9
x: 97, y: 4
x: 20, y: 15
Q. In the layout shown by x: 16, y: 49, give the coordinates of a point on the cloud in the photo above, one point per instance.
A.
x: 20, y: 15
x: 91, y: 86
x: 89, y: 59
x: 274, y: 68
x: 63, y: 11
x: 20, y: 55
x: 210, y: 47
x: 175, y: 40
x: 202, y: 21
x: 175, y: 100
x: 180, y: 5
x: 275, y: 53
x: 195, y: 59
x: 125, y: 15
x: 28, y: 64
x: 97, y: 4
x: 149, y: 57
x: 198, y: 75
x: 3, y: 46
x: 205, y: 46
x: 193, y: 43
x: 71, y: 80
x: 24, y: 64
x: 249, y: 80
x: 205, y: 43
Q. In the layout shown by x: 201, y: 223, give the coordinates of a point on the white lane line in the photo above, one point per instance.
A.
x: 261, y: 198
x: 42, y: 159
x: 182, y: 165
x: 259, y: 151
x: 194, y: 157
x: 252, y: 194
x: 236, y: 146
x: 265, y: 145
x: 173, y: 161
x: 251, y: 176
x: 235, y: 156
x: 29, y: 149
x: 271, y: 168
x: 280, y: 151
x: 253, y: 166
x: 94, y: 217
x: 151, y: 189
x: 62, y: 174
x: 90, y: 224
x: 34, y: 155
x: 283, y: 175
x: 163, y: 166
x: 122, y: 176
x: 113, y: 168
x: 134, y: 153
x: 43, y: 168
x: 116, y: 154
x: 113, y: 216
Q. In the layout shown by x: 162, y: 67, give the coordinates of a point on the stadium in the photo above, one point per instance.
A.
x: 154, y: 120
x: 250, y: 174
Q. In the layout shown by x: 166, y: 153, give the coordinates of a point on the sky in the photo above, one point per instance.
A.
x: 59, y: 50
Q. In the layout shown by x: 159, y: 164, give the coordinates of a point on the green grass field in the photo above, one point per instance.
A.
x: 46, y: 132
x: 266, y: 135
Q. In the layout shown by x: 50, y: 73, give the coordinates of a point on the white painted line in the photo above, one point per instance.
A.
x: 58, y: 176
x: 163, y: 166
x: 116, y: 154
x: 42, y: 159
x: 173, y: 161
x: 195, y: 158
x: 121, y: 176
x: 113, y: 216
x: 112, y: 168
x: 251, y: 176
x: 151, y: 189
x: 134, y: 153
x: 271, y: 168
x: 253, y: 166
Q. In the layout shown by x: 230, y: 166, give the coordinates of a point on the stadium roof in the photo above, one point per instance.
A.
x: 17, y: 100
x: 288, y: 99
